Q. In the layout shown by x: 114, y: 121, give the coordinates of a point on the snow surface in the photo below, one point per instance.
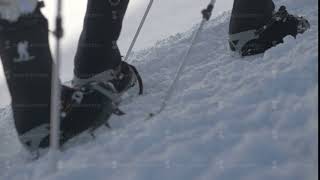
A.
x: 252, y: 118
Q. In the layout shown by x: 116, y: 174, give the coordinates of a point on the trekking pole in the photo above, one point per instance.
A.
x: 138, y: 31
x: 206, y: 14
x: 55, y: 93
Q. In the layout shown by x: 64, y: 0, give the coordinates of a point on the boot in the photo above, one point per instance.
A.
x: 121, y: 79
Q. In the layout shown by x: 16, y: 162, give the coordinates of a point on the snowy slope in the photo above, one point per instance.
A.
x: 231, y: 118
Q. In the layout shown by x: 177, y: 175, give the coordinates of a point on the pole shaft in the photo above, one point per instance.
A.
x: 181, y: 67
x: 138, y: 31
x: 55, y: 93
x: 206, y: 16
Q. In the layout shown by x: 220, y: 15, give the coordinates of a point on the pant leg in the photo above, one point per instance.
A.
x: 250, y: 14
x: 27, y: 60
x: 97, y: 49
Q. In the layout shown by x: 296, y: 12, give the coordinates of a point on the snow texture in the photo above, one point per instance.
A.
x: 230, y: 118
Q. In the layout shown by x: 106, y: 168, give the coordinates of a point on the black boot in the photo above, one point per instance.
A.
x: 282, y: 24
x: 90, y: 105
x: 271, y: 34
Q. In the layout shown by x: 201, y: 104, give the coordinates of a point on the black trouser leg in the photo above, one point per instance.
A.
x: 97, y: 48
x: 26, y: 59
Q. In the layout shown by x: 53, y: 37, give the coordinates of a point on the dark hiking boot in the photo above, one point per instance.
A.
x: 121, y: 79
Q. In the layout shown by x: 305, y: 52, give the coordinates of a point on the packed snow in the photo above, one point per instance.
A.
x: 230, y: 117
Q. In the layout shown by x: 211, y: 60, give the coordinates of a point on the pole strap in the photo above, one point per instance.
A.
x: 206, y: 14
